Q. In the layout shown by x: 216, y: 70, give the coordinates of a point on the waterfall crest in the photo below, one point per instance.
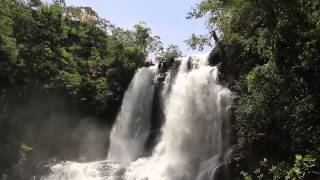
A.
x: 193, y: 138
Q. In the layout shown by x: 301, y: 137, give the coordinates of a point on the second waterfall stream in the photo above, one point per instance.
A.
x: 193, y: 138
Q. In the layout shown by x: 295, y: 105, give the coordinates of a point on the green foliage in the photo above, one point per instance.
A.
x: 141, y: 37
x: 269, y: 55
x: 25, y: 148
x: 170, y: 53
x: 71, y: 82
x: 198, y: 42
x: 8, y: 49
x: 302, y: 168
x: 51, y: 49
x: 69, y: 48
x: 246, y: 175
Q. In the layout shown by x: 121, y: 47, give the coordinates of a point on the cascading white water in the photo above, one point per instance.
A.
x: 196, y: 118
x: 131, y: 129
x: 100, y: 170
x: 193, y: 136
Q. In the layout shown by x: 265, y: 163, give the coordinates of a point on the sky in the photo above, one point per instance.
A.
x: 166, y: 18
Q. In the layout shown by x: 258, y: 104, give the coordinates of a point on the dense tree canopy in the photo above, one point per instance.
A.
x: 55, y: 47
x: 269, y: 53
x: 59, y: 64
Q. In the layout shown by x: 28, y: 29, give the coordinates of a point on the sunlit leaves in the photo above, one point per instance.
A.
x: 269, y: 54
x: 198, y: 42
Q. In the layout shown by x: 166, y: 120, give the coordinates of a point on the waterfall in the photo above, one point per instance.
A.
x: 194, y: 136
x: 131, y: 129
x: 195, y: 129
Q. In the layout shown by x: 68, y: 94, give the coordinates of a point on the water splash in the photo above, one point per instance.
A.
x: 100, y: 170
x: 194, y: 137
x: 194, y: 132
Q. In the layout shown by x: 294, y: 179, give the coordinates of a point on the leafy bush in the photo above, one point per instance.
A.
x: 302, y: 168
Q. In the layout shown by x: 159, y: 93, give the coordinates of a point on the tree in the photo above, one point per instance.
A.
x: 53, y: 56
x: 8, y: 49
x: 269, y: 56
x: 198, y: 42
x: 170, y: 53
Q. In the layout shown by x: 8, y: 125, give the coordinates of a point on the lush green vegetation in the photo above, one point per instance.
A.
x: 69, y: 48
x: 269, y: 55
x: 59, y: 64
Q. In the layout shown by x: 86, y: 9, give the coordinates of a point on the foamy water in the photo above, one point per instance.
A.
x: 194, y: 135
